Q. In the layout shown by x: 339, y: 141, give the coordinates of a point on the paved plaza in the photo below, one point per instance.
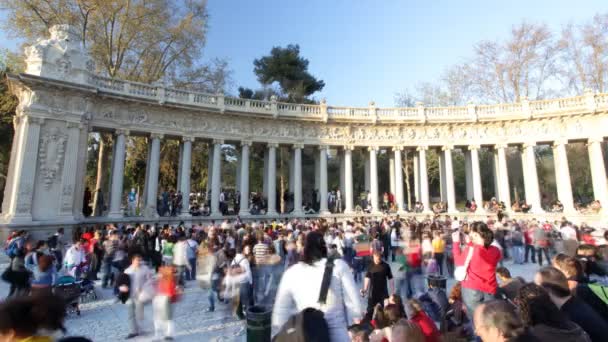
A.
x: 105, y: 320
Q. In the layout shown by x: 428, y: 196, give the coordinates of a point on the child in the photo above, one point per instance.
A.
x: 167, y: 295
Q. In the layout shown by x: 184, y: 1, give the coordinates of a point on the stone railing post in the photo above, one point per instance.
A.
x: 373, y: 112
x: 221, y: 103
x: 421, y: 114
x: 323, y: 105
x: 525, y: 108
x: 274, y: 109
x: 160, y: 93
x: 472, y: 111
x: 590, y: 100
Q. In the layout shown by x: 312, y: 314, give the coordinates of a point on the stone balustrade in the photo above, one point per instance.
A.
x: 470, y: 113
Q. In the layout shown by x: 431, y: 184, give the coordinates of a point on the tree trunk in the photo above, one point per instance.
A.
x: 102, y: 167
x: 406, y: 171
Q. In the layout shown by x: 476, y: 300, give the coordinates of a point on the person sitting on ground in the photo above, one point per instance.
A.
x: 416, y: 314
x: 435, y: 300
x: 578, y: 283
x: 556, y: 285
x: 509, y: 286
x: 544, y: 319
x: 499, y: 321
x: 405, y: 330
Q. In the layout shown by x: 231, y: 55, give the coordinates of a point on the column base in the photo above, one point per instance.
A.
x: 116, y: 215
x: 272, y: 213
x: 244, y: 213
x: 216, y: 216
x: 298, y: 213
x: 185, y: 214
x: 324, y: 212
x: 348, y: 212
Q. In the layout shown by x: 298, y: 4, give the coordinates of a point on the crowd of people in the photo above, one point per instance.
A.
x: 319, y: 268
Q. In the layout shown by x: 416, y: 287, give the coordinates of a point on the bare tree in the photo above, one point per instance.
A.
x: 584, y: 55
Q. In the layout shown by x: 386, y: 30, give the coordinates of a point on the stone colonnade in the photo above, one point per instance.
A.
x: 421, y: 193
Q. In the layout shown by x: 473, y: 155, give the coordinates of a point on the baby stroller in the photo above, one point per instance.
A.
x: 68, y: 288
x: 87, y: 291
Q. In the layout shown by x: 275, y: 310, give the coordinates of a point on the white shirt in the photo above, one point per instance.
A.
x: 240, y: 260
x: 74, y: 256
x: 300, y: 287
x: 180, y: 253
x: 222, y: 196
x: 568, y: 233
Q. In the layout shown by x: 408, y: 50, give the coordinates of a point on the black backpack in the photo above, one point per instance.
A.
x: 309, y: 325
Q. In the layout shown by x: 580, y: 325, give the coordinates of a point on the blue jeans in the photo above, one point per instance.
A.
x: 473, y: 298
x: 413, y: 279
x: 191, y: 275
x: 518, y: 254
x: 106, y: 267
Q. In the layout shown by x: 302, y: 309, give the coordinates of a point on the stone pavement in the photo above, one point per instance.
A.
x: 106, y: 320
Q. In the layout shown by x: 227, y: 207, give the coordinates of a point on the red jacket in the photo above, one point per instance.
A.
x: 481, y: 274
x: 428, y: 327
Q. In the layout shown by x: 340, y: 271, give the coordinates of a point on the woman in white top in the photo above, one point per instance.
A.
x: 301, y: 285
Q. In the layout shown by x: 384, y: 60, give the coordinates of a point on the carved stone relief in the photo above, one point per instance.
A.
x: 51, y: 154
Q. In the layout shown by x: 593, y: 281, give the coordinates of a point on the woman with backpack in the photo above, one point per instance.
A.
x: 302, y: 284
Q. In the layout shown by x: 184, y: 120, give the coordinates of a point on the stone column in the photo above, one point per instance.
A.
x: 347, y: 195
x: 391, y: 173
x: 237, y: 181
x: 449, y: 178
x: 443, y: 190
x: 118, y: 171
x: 216, y: 178
x: 503, y: 176
x: 468, y: 175
x: 531, y: 177
x: 373, y: 178
x: 185, y: 170
x: 341, y: 154
x: 323, y: 180
x: 598, y: 172
x: 424, y: 179
x: 416, y: 178
x: 473, y: 152
x: 244, y: 211
x: 18, y: 194
x: 144, y: 196
x: 265, y: 175
x: 152, y: 172
x: 399, y: 198
x: 562, y: 175
x: 179, y: 166
x: 497, y: 176
x: 272, y: 179
x: 209, y: 171
x: 297, y: 181
x: 367, y: 173
x: 68, y: 181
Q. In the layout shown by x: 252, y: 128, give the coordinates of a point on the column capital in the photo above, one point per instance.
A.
x: 33, y: 120
x: 246, y: 143
x: 157, y: 136
x: 297, y: 146
x: 447, y: 147
x: 595, y: 140
x: 323, y: 147
x: 473, y: 147
x: 273, y: 145
x: 422, y: 148
x: 69, y: 125
x: 528, y: 144
x: 218, y: 141
x: 348, y: 147
x: 501, y: 146
x: 397, y: 148
x: 373, y: 148
x: 122, y: 131
x: 188, y: 138
x: 559, y: 142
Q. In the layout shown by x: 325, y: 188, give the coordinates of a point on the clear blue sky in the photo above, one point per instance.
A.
x: 369, y: 50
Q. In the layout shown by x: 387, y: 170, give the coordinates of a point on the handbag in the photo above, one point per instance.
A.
x: 460, y: 272
x: 7, y: 275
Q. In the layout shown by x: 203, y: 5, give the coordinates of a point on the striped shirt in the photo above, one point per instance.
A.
x: 260, y: 253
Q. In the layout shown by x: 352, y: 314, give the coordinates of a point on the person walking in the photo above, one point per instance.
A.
x: 541, y: 244
x: 375, y: 283
x: 438, y: 244
x: 479, y: 259
x: 141, y: 291
x: 301, y: 285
